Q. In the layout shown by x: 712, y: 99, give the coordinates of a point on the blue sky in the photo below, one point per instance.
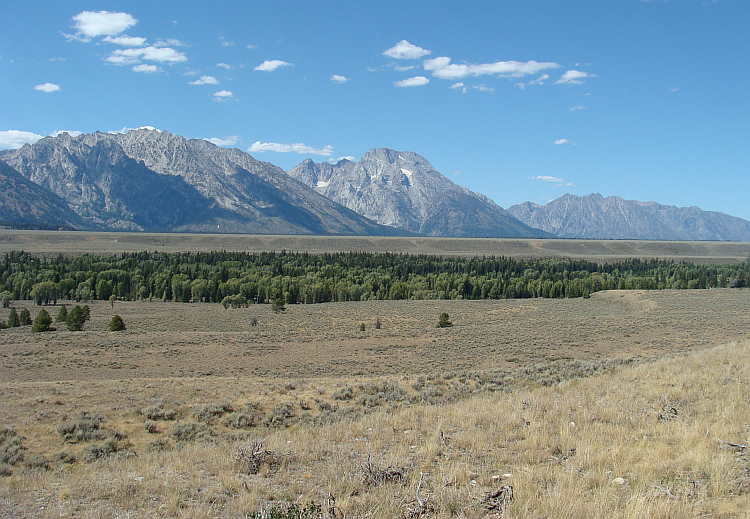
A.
x: 518, y: 100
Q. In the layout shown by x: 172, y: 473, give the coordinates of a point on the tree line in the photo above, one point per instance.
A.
x: 239, y: 278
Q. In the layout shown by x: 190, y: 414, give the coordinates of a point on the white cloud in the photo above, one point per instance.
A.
x: 134, y: 56
x: 572, y: 77
x: 126, y: 41
x: 540, y: 80
x: 403, y: 68
x: 271, y: 65
x: 458, y: 86
x: 552, y: 180
x: 169, y: 42
x: 250, y: 46
x: 205, y: 80
x: 565, y: 141
x: 302, y: 149
x: 412, y: 82
x: 91, y: 24
x: 14, y: 139
x: 225, y: 42
x: 347, y: 157
x: 578, y: 107
x: 223, y: 95
x: 405, y: 50
x: 442, y: 68
x: 148, y: 69
x: 229, y: 141
x: 339, y: 79
x: 125, y: 129
x: 225, y: 65
x: 47, y: 87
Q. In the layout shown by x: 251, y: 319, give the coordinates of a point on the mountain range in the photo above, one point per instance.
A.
x: 597, y: 217
x: 151, y: 180
x: 402, y: 189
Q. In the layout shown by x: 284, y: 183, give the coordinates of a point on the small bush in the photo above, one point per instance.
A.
x: 209, y: 413
x: 191, y: 432
x: 111, y: 446
x: 65, y: 458
x: 443, y: 321
x: 159, y: 445
x: 278, y: 306
x: 151, y: 427
x: 116, y: 324
x: 84, y: 428
x: 157, y: 412
x: 37, y: 463
x: 11, y: 447
x: 343, y: 394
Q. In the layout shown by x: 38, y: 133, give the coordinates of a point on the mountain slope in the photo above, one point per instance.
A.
x: 403, y: 190
x: 594, y: 216
x: 152, y: 180
x: 23, y: 202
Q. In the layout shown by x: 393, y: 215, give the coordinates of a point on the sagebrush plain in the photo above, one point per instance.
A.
x: 626, y: 404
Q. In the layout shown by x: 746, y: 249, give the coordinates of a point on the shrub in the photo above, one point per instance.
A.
x: 278, y: 305
x: 84, y: 428
x: 151, y: 427
x: 38, y: 463
x: 343, y: 394
x: 11, y: 447
x: 443, y: 321
x: 157, y: 412
x: 116, y: 324
x: 112, y: 445
x: 190, y: 432
x: 210, y: 412
x: 159, y: 445
x: 235, y: 301
x: 42, y: 322
x: 24, y: 317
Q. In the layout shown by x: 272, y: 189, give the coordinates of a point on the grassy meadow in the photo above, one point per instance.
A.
x: 627, y: 404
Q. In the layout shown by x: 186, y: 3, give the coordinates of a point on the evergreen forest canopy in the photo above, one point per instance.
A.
x: 238, y: 279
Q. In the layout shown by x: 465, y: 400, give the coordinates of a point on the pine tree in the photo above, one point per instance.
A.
x: 278, y: 305
x: 62, y: 314
x: 13, y: 321
x: 42, y: 322
x: 116, y: 324
x: 77, y: 317
x: 25, y: 317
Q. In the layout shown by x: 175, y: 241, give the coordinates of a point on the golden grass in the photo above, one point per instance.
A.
x: 644, y: 441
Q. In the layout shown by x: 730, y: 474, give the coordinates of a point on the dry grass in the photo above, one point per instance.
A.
x: 605, y: 446
x: 162, y: 410
x: 75, y: 242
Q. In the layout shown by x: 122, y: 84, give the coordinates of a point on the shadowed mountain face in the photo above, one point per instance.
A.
x: 23, y: 202
x: 151, y: 180
x: 402, y: 189
x: 594, y: 216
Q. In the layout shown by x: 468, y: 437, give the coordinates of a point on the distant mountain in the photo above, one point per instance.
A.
x: 594, y: 216
x: 156, y: 181
x: 24, y: 203
x: 401, y: 189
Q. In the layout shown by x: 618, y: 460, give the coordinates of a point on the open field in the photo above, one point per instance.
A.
x: 495, y: 400
x: 54, y: 242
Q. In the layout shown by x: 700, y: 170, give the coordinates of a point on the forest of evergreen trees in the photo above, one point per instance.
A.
x: 238, y: 279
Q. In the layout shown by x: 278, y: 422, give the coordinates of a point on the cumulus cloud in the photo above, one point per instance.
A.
x: 225, y: 66
x: 205, y: 80
x: 223, y: 95
x: 14, y: 139
x: 47, y: 87
x: 442, y: 68
x: 412, y: 82
x: 572, y: 77
x: 271, y: 65
x: 90, y: 24
x: 302, y: 149
x: 126, y: 41
x: 135, y: 55
x: 229, y: 141
x: 479, y: 88
x: 405, y: 50
x: 339, y: 79
x: 148, y: 69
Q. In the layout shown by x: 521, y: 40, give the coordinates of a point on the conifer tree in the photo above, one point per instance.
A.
x: 116, y: 324
x: 62, y: 314
x: 13, y: 320
x: 42, y: 322
x: 24, y: 317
